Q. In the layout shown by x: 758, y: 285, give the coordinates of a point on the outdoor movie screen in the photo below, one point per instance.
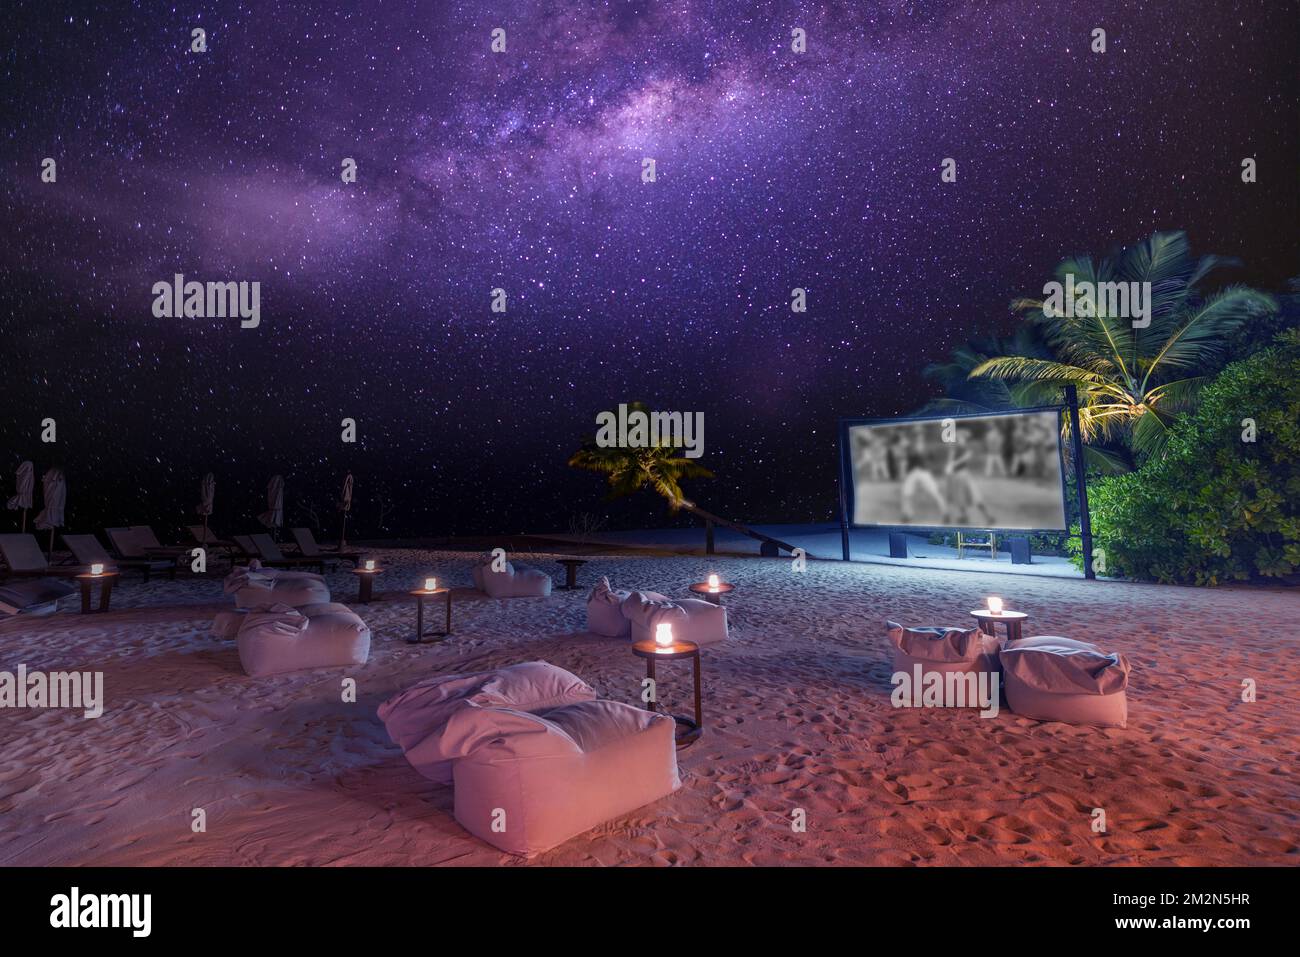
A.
x: 998, y: 472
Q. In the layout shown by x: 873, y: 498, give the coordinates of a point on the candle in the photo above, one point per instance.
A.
x: 431, y: 584
x: 97, y: 569
x: 370, y: 564
x: 664, y: 635
x: 713, y: 583
x: 995, y: 605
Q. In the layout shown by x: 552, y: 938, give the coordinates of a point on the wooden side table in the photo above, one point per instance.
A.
x: 105, y: 579
x: 366, y: 576
x: 570, y: 572
x: 688, y: 731
x: 989, y: 622
x: 420, y: 634
x: 712, y: 594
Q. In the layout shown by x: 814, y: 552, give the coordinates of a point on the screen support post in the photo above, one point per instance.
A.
x: 844, y: 506
x: 1080, y: 480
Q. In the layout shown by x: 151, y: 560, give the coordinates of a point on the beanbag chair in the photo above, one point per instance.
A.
x: 416, y: 718
x: 256, y: 586
x: 226, y: 624
x: 278, y: 638
x: 528, y: 782
x: 1061, y: 679
x: 513, y: 581
x: 605, y: 614
x: 692, y: 619
x: 944, y: 651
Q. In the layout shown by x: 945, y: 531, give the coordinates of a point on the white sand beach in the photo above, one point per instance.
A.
x: 797, y: 715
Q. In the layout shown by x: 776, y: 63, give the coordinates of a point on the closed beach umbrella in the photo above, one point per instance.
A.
x: 345, y: 506
x: 207, y: 495
x: 24, y: 483
x: 273, y: 517
x: 55, y: 491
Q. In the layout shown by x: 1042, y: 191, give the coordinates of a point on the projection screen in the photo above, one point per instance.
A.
x: 1001, y: 472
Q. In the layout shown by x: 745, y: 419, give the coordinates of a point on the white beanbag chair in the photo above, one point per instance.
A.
x: 604, y: 610
x: 227, y: 623
x: 512, y: 581
x: 528, y: 782
x: 415, y: 718
x: 693, y: 620
x: 256, y: 586
x: 943, y: 649
x: 1060, y: 679
x: 279, y: 638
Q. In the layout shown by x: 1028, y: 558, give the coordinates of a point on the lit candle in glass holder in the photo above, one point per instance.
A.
x: 370, y: 564
x: 431, y: 584
x: 97, y: 569
x: 664, y: 635
x: 713, y: 583
x: 995, y: 605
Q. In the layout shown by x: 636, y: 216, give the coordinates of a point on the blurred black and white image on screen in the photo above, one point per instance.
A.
x: 994, y: 472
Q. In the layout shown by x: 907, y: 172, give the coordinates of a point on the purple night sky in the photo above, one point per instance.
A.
x: 522, y: 170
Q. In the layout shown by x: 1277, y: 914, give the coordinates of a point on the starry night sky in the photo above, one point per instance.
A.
x: 522, y: 171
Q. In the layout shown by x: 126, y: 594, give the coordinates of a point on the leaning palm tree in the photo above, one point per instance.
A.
x: 629, y: 470
x: 1131, y: 381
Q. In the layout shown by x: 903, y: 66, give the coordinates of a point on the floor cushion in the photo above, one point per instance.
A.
x: 605, y: 613
x: 280, y: 638
x: 526, y: 783
x: 942, y: 649
x: 417, y: 717
x: 513, y: 581
x: 692, y: 619
x: 1063, y: 679
x: 256, y: 586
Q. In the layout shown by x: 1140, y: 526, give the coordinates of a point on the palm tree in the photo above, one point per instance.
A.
x: 629, y: 470
x: 964, y: 395
x: 1131, y: 381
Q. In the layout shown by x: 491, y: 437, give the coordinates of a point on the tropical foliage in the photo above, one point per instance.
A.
x: 1132, y: 381
x: 1223, y: 502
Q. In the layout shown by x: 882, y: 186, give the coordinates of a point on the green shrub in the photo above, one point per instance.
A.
x: 1215, y: 508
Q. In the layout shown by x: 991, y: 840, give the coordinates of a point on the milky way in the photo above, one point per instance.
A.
x: 522, y: 171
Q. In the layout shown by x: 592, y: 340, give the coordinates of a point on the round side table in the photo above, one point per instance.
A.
x: 420, y: 634
x: 709, y: 593
x: 688, y: 730
x: 989, y: 622
x: 366, y: 576
x: 570, y: 572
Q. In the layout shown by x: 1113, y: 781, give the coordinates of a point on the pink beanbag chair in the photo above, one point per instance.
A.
x: 1060, y: 679
x: 512, y: 581
x: 692, y: 619
x: 528, y: 782
x: 417, y: 717
x: 605, y: 613
x: 279, y: 638
x: 956, y: 651
x: 256, y: 586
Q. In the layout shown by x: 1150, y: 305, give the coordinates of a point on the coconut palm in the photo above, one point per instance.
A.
x: 629, y: 470
x: 964, y: 395
x: 1132, y: 381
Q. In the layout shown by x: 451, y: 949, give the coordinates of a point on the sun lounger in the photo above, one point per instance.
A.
x: 87, y: 550
x: 24, y: 558
x: 271, y: 555
x: 209, y: 539
x: 38, y: 596
x: 138, y: 542
x: 308, y: 548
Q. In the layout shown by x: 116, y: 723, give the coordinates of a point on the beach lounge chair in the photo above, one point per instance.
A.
x: 270, y: 554
x: 139, y: 542
x: 87, y: 550
x: 308, y: 548
x: 210, y: 540
x: 33, y: 596
x: 24, y: 558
